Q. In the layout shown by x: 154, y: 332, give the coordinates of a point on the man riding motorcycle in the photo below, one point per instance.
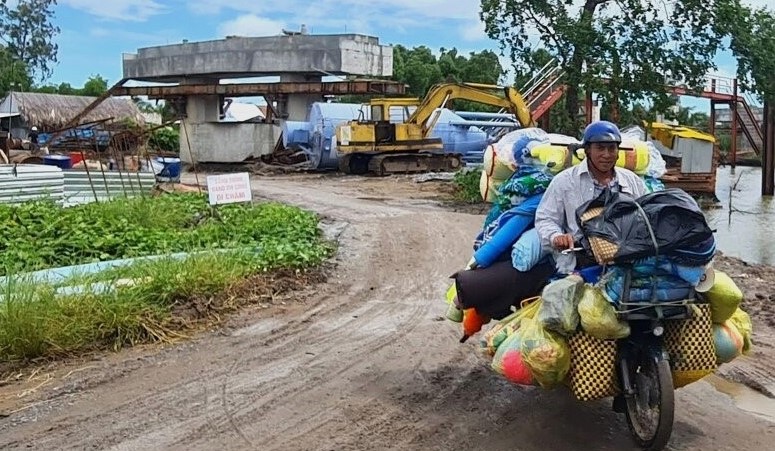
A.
x: 555, y: 218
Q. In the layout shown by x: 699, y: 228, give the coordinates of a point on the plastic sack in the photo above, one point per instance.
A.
x: 724, y: 297
x: 527, y: 251
x: 742, y: 322
x: 598, y: 316
x: 633, y: 133
x: 668, y: 287
x: 488, y: 188
x: 493, y: 338
x: 555, y: 157
x: 559, y: 305
x: 634, y: 155
x: 509, y: 325
x: 727, y: 341
x: 508, y: 362
x: 546, y: 354
x: 494, y: 173
x: 621, y: 231
x: 514, y: 146
x: 656, y: 165
x: 495, y: 167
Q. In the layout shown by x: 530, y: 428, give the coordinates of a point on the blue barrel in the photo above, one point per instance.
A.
x: 171, y: 171
x: 60, y: 161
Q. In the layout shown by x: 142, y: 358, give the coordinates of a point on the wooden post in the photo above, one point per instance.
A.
x: 588, y: 105
x: 768, y: 155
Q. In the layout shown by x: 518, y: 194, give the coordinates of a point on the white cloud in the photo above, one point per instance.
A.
x: 130, y: 10
x: 124, y: 35
x: 345, y: 9
x: 250, y: 25
x: 404, y: 16
x: 473, y: 31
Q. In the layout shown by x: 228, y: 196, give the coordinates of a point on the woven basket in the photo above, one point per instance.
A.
x: 592, y: 368
x: 691, y: 347
x: 603, y: 250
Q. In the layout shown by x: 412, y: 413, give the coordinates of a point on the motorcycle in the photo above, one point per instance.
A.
x: 643, y: 365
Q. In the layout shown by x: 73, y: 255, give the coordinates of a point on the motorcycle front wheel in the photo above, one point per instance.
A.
x: 650, y: 411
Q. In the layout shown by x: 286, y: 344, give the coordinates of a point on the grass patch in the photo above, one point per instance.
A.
x: 148, y: 302
x: 151, y: 300
x: 467, y: 184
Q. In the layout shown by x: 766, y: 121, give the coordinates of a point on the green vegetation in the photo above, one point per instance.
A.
x: 626, y: 51
x: 420, y: 69
x: 41, y: 235
x: 35, y: 321
x: 752, y: 33
x: 467, y: 183
x: 27, y: 33
x: 139, y: 303
x: 95, y: 86
x: 166, y: 139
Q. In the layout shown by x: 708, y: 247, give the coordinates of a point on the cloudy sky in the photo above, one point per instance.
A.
x: 96, y: 32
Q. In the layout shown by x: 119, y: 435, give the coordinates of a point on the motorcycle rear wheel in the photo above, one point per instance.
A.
x: 651, y: 411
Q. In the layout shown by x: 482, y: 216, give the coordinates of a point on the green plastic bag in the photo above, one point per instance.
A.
x: 742, y: 321
x: 559, y: 305
x: 598, y: 316
x: 724, y: 297
x: 546, y: 353
x: 508, y: 326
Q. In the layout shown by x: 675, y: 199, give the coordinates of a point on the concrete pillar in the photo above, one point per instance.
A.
x: 199, y: 110
x: 297, y: 105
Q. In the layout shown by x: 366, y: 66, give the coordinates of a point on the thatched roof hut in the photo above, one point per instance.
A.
x: 53, y: 111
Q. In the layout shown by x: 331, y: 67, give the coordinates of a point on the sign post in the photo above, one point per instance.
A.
x: 229, y: 188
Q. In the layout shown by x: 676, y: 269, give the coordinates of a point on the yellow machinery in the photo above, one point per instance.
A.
x: 382, y: 146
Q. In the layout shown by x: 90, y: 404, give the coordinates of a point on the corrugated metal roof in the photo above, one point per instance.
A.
x: 25, y: 182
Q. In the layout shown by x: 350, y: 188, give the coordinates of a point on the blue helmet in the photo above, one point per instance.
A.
x: 600, y: 132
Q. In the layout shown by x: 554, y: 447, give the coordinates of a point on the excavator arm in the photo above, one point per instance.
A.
x: 439, y: 95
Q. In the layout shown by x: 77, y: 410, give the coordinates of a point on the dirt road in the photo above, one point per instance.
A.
x: 364, y: 365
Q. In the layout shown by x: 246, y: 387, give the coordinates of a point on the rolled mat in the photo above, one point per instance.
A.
x: 493, y: 290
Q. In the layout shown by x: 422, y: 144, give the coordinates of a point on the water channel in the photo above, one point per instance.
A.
x: 749, y: 235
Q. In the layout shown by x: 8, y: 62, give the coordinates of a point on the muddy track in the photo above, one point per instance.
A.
x: 364, y: 364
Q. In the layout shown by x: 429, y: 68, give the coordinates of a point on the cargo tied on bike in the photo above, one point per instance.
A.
x: 639, y: 313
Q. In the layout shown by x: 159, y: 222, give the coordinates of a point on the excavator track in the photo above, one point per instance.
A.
x: 399, y: 163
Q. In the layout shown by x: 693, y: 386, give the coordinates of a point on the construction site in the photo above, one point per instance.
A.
x: 304, y: 128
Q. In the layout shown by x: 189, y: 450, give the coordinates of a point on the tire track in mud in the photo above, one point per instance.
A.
x: 366, y: 366
x: 345, y: 337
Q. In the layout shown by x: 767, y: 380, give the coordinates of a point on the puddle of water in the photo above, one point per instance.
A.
x: 745, y: 398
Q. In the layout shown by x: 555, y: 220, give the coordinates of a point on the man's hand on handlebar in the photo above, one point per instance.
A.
x: 563, y: 242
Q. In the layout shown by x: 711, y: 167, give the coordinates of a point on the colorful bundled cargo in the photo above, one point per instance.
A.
x: 657, y: 257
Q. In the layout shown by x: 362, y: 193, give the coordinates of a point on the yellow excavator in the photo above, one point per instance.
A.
x: 382, y: 146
